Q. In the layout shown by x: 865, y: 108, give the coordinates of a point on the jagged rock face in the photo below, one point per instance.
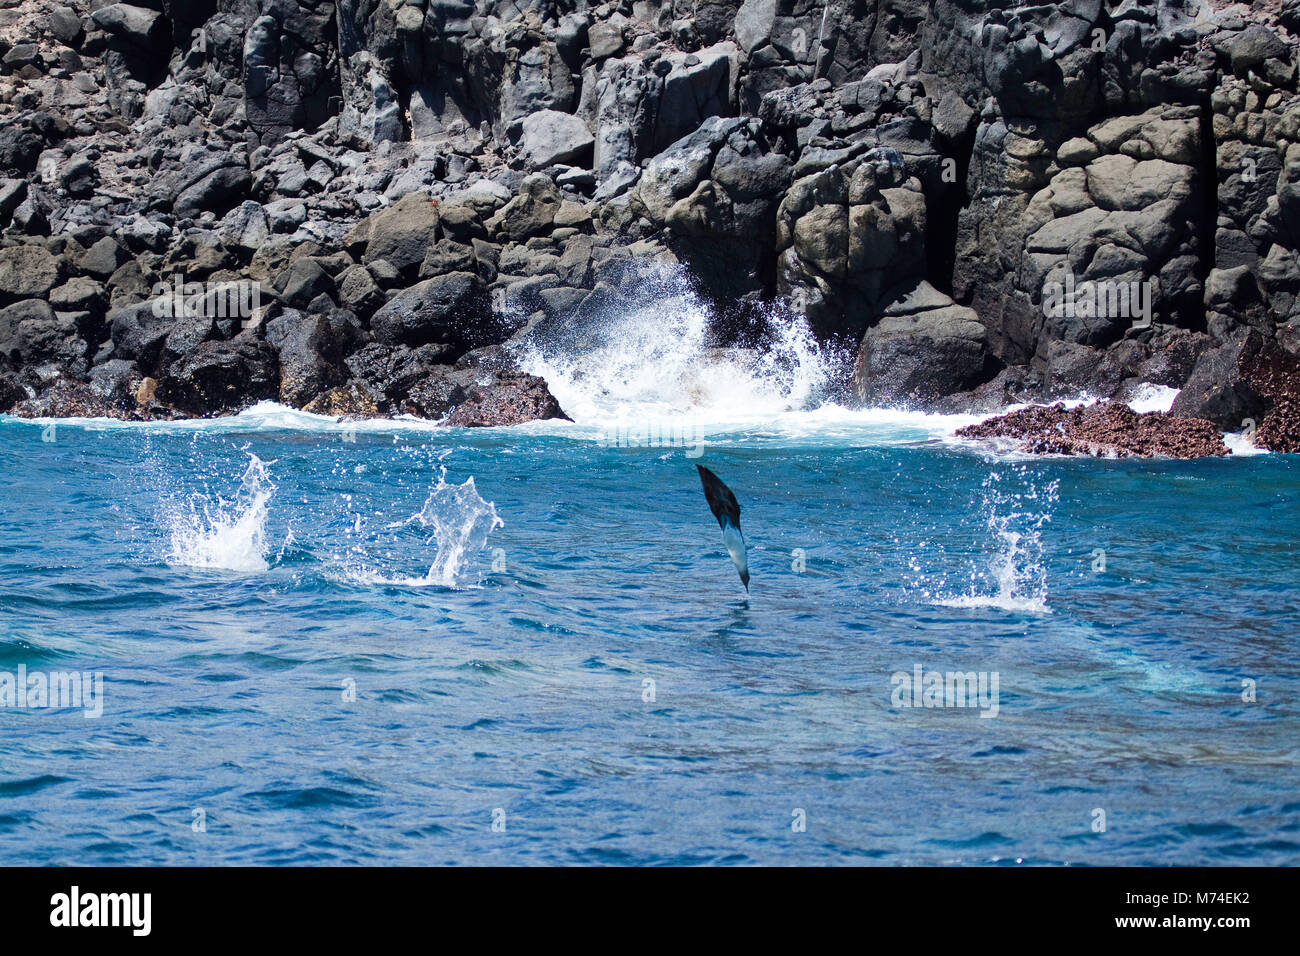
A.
x: 994, y: 202
x: 504, y: 400
x: 290, y: 67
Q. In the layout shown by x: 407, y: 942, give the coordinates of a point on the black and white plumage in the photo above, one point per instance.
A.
x: 726, y: 509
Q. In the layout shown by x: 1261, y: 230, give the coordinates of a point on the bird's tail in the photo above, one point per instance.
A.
x: 735, y: 542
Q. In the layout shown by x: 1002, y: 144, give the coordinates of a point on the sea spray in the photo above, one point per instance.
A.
x: 650, y: 354
x: 1008, y: 570
x: 208, y: 531
x: 461, y: 521
x: 436, y: 545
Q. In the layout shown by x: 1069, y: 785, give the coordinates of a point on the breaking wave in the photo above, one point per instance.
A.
x: 651, y: 354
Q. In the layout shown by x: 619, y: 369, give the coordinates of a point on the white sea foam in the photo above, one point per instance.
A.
x: 1153, y: 398
x: 212, y: 532
x: 1242, y: 444
x: 650, y: 355
x: 648, y: 365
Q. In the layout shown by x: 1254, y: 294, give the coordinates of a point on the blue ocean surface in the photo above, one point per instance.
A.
x: 391, y: 643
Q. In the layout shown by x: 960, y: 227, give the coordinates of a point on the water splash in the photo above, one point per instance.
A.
x: 1009, y: 572
x: 446, y: 535
x: 1152, y: 398
x: 461, y: 521
x: 208, y: 531
x: 651, y: 355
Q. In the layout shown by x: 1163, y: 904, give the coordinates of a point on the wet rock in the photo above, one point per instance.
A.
x: 1103, y: 430
x: 68, y: 399
x: 1274, y: 374
x: 311, y: 350
x: 508, y: 399
x: 345, y: 401
x: 1218, y: 391
x: 388, y: 373
x: 222, y: 377
x: 11, y: 392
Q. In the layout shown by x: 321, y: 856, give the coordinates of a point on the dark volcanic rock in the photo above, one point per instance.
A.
x: 510, y: 399
x: 924, y: 348
x: 70, y: 399
x: 400, y: 234
x: 388, y: 373
x: 222, y: 377
x: 25, y: 272
x: 311, y: 350
x: 32, y: 333
x: 453, y: 308
x: 11, y: 393
x: 962, y: 188
x: 1217, y: 391
x: 1104, y: 430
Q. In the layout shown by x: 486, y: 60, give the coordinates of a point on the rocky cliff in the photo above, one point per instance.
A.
x: 350, y: 206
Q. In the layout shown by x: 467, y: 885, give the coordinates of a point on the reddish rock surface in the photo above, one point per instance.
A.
x: 510, y: 399
x: 1106, y: 429
x: 1275, y: 374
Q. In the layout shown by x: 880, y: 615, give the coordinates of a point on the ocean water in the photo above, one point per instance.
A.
x: 391, y: 643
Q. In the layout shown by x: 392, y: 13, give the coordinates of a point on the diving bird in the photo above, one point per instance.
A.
x: 724, y: 507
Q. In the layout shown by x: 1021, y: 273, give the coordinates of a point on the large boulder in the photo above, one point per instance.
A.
x: 385, y: 376
x: 551, y: 137
x: 453, y: 309
x: 509, y: 398
x: 31, y: 332
x: 1217, y: 390
x: 210, y: 181
x: 925, y: 347
x: 138, y: 26
x: 400, y: 234
x: 26, y: 271
x: 222, y: 377
x: 311, y: 349
x: 531, y: 212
